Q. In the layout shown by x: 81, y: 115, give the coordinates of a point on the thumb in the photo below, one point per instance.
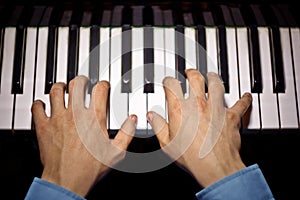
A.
x: 126, y: 133
x: 159, y: 126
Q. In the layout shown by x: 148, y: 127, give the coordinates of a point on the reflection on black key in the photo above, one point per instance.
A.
x: 223, y: 57
x: 180, y: 55
x: 19, y: 58
x: 255, y: 67
x: 148, y: 60
x: 94, y: 61
x: 73, y: 52
x: 126, y: 59
x: 51, y: 58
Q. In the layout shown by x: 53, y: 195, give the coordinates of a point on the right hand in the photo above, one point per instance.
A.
x: 211, y: 128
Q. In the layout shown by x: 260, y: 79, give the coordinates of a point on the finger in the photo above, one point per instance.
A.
x: 38, y: 112
x: 99, y: 101
x: 242, y: 105
x: 215, y: 89
x: 173, y: 92
x: 126, y: 133
x: 196, y: 83
x: 159, y: 126
x: 77, y: 89
x: 57, y: 98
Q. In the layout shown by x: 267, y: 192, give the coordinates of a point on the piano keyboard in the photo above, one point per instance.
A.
x: 254, y: 48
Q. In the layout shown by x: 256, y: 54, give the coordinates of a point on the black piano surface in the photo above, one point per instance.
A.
x: 275, y: 150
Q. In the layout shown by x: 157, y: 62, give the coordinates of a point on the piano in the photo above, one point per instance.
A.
x: 253, y: 46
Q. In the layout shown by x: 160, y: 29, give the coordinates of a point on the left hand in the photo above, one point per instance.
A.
x: 66, y: 160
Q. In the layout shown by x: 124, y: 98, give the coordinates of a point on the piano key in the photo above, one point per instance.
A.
x: 126, y: 58
x: 251, y: 120
x: 211, y: 48
x: 94, y: 56
x: 287, y: 14
x: 118, y: 100
x: 295, y: 37
x: 20, y: 48
x: 6, y: 98
x: 117, y: 15
x: 137, y: 15
x: 276, y: 49
x: 19, y: 56
x: 190, y: 51
x: 201, y: 50
x: 287, y: 100
x: 62, y: 54
x: 233, y: 93
x: 23, y: 102
x: 1, y: 49
x: 104, y: 53
x: 180, y: 56
x: 223, y: 57
x: 38, y: 12
x: 268, y: 99
x: 56, y: 16
x: 137, y: 98
x: 41, y: 64
x: 148, y: 59
x: 169, y: 44
x: 15, y: 15
x: 83, y: 54
x: 253, y: 19
x: 73, y: 48
x: 156, y: 101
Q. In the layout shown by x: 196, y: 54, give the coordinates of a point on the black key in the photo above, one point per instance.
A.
x: 223, y: 57
x: 276, y: 52
x: 201, y: 50
x: 126, y: 84
x: 253, y: 18
x: 73, y: 51
x: 180, y: 55
x: 255, y: 72
x: 148, y: 50
x: 94, y: 56
x: 148, y: 60
x: 56, y: 15
x: 20, y: 49
x: 1, y: 50
x: 222, y: 45
x: 73, y: 47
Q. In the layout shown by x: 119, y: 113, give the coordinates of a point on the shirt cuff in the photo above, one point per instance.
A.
x: 247, y: 184
x: 41, y: 189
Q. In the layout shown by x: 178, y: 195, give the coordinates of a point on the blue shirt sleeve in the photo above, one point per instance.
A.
x: 247, y: 184
x: 41, y: 189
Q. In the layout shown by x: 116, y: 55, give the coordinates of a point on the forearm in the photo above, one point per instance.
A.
x: 247, y: 184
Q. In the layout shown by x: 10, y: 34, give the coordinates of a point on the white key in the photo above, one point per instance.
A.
x: 83, y: 56
x: 268, y: 99
x: 211, y: 48
x: 252, y: 121
x: 24, y: 101
x: 41, y: 69
x: 169, y: 38
x: 118, y: 100
x: 156, y: 100
x: 170, y: 69
x: 295, y: 34
x: 137, y: 99
x: 287, y: 100
x: 6, y: 98
x: 62, y: 55
x: 233, y: 95
x: 84, y: 51
x: 190, y: 51
x: 104, y: 53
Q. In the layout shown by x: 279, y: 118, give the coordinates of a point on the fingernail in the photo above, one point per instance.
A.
x: 133, y: 118
x: 149, y: 116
